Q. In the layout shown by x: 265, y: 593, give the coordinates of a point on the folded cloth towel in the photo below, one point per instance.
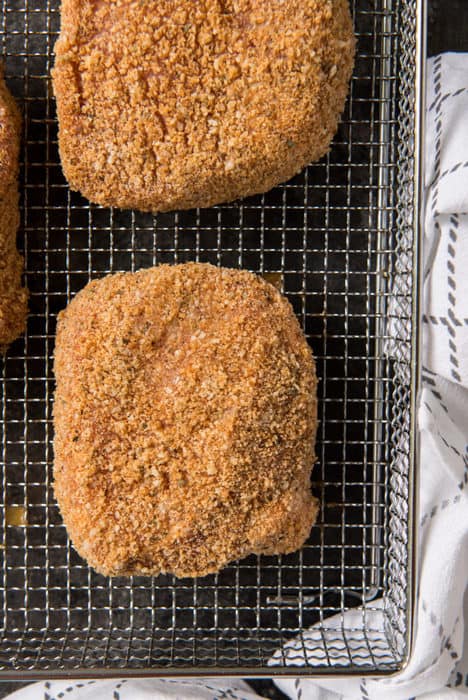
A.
x: 137, y: 689
x: 443, y: 421
x: 443, y: 416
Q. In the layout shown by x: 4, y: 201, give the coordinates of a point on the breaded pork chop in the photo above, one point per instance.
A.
x: 185, y: 419
x: 173, y: 104
x: 13, y: 297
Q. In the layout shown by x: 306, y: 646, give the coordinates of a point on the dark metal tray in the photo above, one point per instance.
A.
x: 340, y: 238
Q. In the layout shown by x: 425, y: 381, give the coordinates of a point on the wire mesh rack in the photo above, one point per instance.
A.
x: 339, y: 239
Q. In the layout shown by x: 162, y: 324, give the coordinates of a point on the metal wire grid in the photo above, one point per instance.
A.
x: 329, y: 235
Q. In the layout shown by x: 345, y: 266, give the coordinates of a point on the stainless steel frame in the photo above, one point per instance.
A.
x: 344, y: 237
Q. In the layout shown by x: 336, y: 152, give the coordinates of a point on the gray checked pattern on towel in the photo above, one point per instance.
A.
x: 437, y: 668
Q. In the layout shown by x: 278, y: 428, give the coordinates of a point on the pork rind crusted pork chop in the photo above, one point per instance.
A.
x: 185, y: 420
x: 173, y: 104
x: 13, y: 297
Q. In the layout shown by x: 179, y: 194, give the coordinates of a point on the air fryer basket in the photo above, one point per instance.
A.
x: 340, y: 239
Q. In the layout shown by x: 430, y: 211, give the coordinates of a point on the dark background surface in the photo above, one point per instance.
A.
x: 448, y: 26
x: 447, y: 31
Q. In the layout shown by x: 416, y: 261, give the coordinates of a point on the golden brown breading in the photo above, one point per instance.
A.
x: 185, y: 420
x: 187, y: 103
x: 13, y: 297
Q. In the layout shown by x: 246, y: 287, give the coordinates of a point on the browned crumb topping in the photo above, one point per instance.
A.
x: 185, y: 419
x: 13, y: 297
x: 182, y: 103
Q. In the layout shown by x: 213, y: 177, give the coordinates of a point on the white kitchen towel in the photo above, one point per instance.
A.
x: 443, y: 419
x: 443, y: 526
x: 138, y: 689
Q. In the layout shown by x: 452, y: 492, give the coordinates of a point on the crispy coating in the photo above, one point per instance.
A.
x: 13, y: 297
x: 173, y: 104
x: 185, y: 419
